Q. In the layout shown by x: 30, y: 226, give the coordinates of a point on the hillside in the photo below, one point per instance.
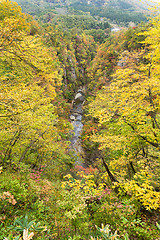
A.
x: 119, y: 11
x: 80, y: 125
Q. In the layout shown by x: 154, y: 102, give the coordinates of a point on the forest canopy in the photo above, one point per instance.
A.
x: 108, y: 186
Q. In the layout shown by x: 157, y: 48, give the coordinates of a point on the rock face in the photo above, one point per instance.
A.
x: 72, y: 69
x: 77, y: 104
x: 76, y: 118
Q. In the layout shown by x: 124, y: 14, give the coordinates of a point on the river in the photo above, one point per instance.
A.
x: 76, y: 119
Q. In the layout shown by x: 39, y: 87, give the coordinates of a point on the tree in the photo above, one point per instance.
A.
x: 128, y: 111
x: 30, y: 74
x: 75, y: 51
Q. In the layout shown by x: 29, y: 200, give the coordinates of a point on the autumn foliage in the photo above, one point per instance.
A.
x: 118, y: 185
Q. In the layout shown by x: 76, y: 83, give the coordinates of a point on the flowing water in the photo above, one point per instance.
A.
x: 76, y: 119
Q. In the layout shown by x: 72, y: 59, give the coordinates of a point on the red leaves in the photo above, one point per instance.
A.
x: 86, y: 171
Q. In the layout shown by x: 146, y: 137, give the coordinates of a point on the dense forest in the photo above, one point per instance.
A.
x: 119, y: 11
x: 56, y: 56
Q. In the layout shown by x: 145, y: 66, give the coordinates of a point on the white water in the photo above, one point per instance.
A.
x: 76, y: 119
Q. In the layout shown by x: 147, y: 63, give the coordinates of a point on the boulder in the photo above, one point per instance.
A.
x: 79, y: 98
x: 72, y: 117
x: 78, y: 95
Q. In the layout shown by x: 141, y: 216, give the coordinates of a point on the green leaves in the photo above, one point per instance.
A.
x: 105, y: 233
x: 127, y: 112
x: 158, y: 225
x: 37, y: 228
x: 11, y: 238
x: 23, y: 225
x: 31, y: 77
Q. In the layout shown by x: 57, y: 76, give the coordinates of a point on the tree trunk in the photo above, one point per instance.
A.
x: 112, y: 178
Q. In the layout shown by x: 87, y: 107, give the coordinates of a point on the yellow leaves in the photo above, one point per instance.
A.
x: 13, y: 23
x: 109, y: 141
x: 152, y: 39
x: 143, y: 191
x: 77, y: 193
x: 85, y: 185
x: 129, y: 99
x: 123, y: 74
x: 30, y: 73
x: 25, y: 54
x: 128, y: 112
x: 24, y: 102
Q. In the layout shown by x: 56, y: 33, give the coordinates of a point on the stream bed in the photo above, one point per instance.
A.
x: 76, y: 119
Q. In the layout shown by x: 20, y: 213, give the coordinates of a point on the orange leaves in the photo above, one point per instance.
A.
x: 8, y: 197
